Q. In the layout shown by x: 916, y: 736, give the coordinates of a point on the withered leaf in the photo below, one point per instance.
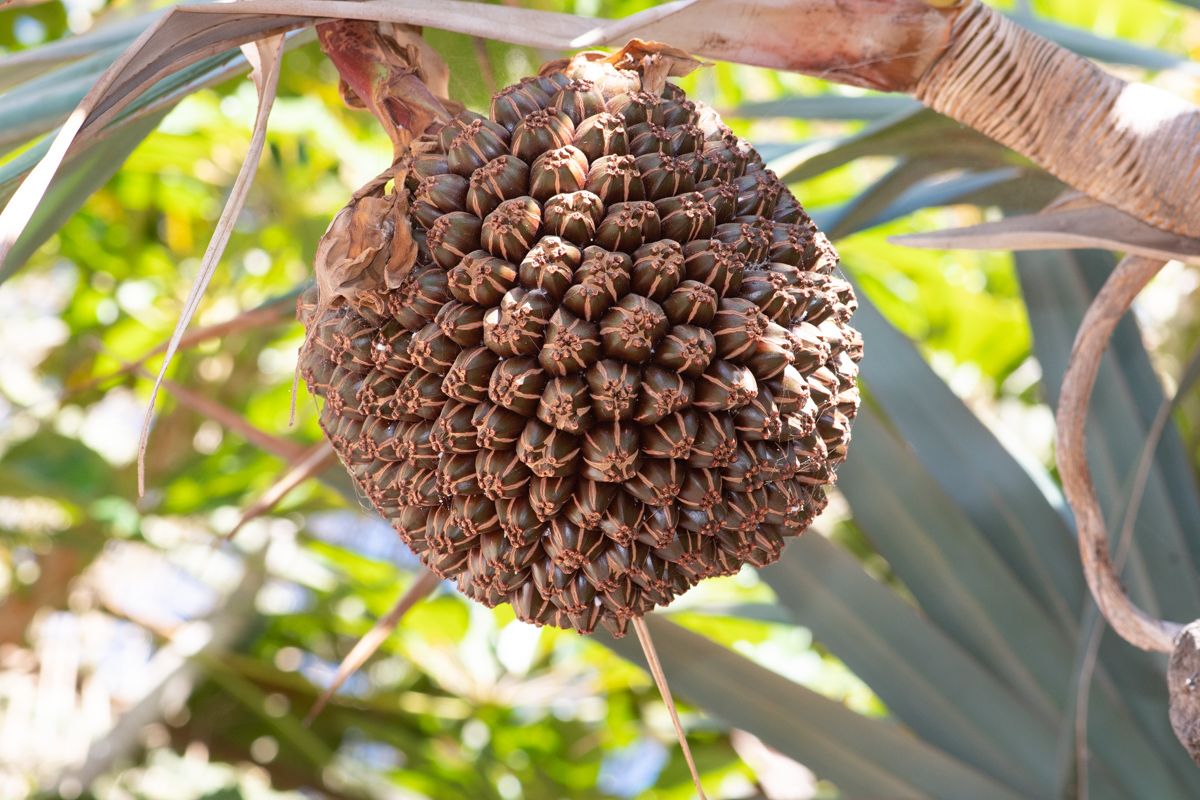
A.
x: 367, y: 247
x: 657, y: 62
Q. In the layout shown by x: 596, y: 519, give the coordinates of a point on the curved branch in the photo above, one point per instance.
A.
x: 1114, y: 299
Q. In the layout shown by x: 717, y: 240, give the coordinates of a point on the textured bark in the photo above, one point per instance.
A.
x: 1128, y: 145
x: 1183, y: 686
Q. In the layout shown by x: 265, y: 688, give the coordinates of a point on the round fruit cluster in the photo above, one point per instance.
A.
x: 620, y: 365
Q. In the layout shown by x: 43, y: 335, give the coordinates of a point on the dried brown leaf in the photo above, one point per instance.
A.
x: 368, y: 245
x: 309, y: 464
x: 266, y: 58
x: 430, y: 67
x: 542, y: 29
x: 425, y: 583
x: 356, y: 239
x: 656, y: 61
x: 876, y: 43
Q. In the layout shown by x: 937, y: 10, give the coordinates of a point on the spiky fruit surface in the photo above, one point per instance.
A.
x: 621, y: 365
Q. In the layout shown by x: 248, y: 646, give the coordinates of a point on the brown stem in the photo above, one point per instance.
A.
x: 878, y: 44
x: 311, y: 463
x: 389, y: 74
x: 211, y: 409
x: 1124, y: 541
x: 270, y: 313
x: 425, y: 583
x: 1114, y: 299
x: 660, y: 680
x: 1129, y: 145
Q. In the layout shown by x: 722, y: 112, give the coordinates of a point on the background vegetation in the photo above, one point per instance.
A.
x: 142, y: 658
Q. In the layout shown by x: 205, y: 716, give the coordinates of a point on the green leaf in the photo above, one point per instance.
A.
x: 865, y: 209
x: 1014, y: 506
x: 47, y: 463
x: 90, y: 168
x: 905, y: 190
x: 81, y: 175
x: 13, y: 172
x: 959, y: 581
x: 20, y: 67
x: 44, y: 103
x: 762, y: 612
x: 1012, y: 189
x: 1028, y: 190
x: 869, y: 107
x: 288, y: 727
x: 926, y: 679
x: 864, y: 757
x: 98, y: 156
x: 970, y: 594
x: 918, y: 134
x: 1005, y: 500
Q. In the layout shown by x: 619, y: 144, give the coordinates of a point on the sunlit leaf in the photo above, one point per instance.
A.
x: 20, y: 67
x: 84, y: 174
x: 870, y: 107
x: 1096, y: 226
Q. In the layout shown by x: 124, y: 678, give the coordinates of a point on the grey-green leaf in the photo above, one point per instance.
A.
x: 926, y: 679
x: 864, y: 757
x: 20, y: 67
x: 917, y: 134
x: 1017, y: 509
x: 830, y: 106
x: 80, y: 176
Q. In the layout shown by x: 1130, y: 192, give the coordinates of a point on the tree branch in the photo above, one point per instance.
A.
x: 1114, y: 299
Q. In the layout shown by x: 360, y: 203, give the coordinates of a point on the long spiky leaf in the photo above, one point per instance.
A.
x: 660, y: 680
x: 267, y: 58
x: 892, y: 44
x: 425, y: 583
x: 310, y: 464
x: 1094, y: 226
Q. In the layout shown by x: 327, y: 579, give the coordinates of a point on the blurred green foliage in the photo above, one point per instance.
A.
x: 462, y: 702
